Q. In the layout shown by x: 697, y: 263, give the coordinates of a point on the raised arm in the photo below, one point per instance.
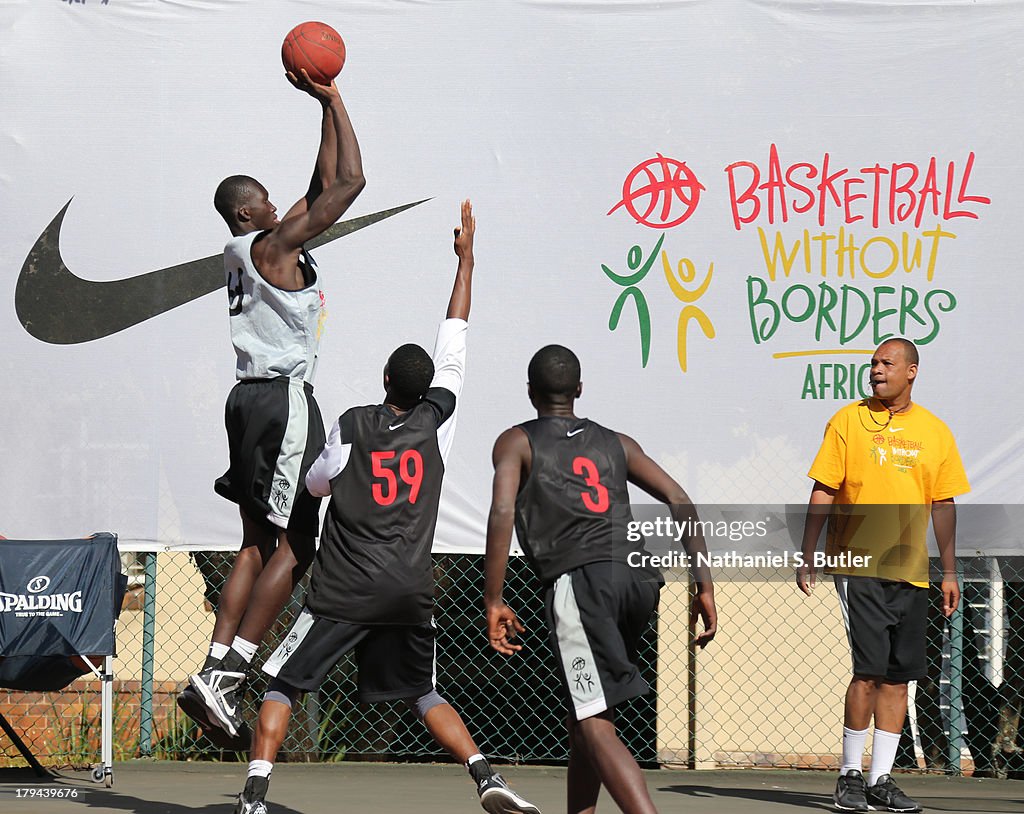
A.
x: 340, y: 171
x: 511, y: 455
x: 461, y: 299
x: 326, y: 168
x: 643, y: 472
x: 450, y: 346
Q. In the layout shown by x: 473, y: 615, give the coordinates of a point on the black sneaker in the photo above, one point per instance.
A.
x: 221, y: 692
x: 850, y: 792
x: 251, y: 801
x: 495, y: 795
x: 885, y: 795
x: 191, y: 703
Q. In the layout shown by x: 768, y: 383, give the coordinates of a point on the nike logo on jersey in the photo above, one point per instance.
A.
x: 896, y: 429
x: 395, y: 426
x: 574, y: 432
x: 55, y: 305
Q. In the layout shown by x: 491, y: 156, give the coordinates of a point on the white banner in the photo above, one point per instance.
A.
x: 722, y: 206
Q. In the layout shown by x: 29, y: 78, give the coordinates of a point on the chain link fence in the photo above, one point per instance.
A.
x: 768, y: 692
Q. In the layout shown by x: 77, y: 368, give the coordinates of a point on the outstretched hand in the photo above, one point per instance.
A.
x: 502, y: 627
x: 322, y: 93
x: 464, y: 233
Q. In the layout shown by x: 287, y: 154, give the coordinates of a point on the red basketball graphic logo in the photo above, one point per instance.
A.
x: 660, y: 193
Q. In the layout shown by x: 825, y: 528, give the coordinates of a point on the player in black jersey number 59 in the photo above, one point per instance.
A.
x: 372, y: 584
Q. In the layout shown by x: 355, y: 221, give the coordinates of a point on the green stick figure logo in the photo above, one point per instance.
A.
x: 639, y: 266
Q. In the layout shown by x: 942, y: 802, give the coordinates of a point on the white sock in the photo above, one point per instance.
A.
x: 260, y: 768
x: 853, y: 750
x: 883, y: 754
x: 473, y: 759
x: 218, y: 651
x: 247, y: 650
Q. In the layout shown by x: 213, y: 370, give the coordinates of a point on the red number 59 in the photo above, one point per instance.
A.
x: 410, y: 470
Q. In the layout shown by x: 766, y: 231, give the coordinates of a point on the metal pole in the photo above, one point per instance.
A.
x: 956, y: 675
x: 691, y: 683
x: 148, y: 638
x: 107, y: 721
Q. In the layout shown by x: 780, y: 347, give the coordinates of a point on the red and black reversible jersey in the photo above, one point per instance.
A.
x: 373, y: 565
x: 573, y: 507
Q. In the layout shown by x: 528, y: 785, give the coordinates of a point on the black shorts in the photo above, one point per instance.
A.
x: 885, y: 624
x: 596, y: 615
x: 275, y: 433
x: 393, y: 661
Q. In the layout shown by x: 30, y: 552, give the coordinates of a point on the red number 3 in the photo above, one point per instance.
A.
x: 410, y: 470
x: 599, y: 501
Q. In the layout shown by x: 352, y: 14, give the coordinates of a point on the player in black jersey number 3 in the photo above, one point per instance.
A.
x: 562, y: 481
x: 372, y: 584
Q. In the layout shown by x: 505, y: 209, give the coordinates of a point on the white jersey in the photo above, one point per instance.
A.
x: 275, y: 332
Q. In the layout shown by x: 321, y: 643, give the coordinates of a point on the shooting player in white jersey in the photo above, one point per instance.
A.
x: 274, y: 427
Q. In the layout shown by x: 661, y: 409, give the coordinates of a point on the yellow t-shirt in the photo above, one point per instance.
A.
x: 887, y: 472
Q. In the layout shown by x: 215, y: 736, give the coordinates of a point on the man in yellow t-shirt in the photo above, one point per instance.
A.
x: 885, y: 466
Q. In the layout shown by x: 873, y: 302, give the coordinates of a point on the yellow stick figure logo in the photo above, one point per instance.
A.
x: 678, y: 279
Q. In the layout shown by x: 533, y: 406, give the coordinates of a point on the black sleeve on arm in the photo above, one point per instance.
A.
x: 346, y: 424
x: 442, y: 400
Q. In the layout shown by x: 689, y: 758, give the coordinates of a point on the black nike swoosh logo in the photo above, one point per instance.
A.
x: 54, y: 305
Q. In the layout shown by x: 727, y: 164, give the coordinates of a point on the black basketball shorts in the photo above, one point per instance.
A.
x: 393, y: 661
x: 885, y: 624
x: 596, y: 615
x: 275, y: 433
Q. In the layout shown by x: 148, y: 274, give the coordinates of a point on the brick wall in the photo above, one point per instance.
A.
x: 63, y: 728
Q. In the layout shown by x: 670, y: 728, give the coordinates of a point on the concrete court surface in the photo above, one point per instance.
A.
x: 149, y: 787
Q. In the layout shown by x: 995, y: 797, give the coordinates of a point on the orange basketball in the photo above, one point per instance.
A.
x: 316, y: 47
